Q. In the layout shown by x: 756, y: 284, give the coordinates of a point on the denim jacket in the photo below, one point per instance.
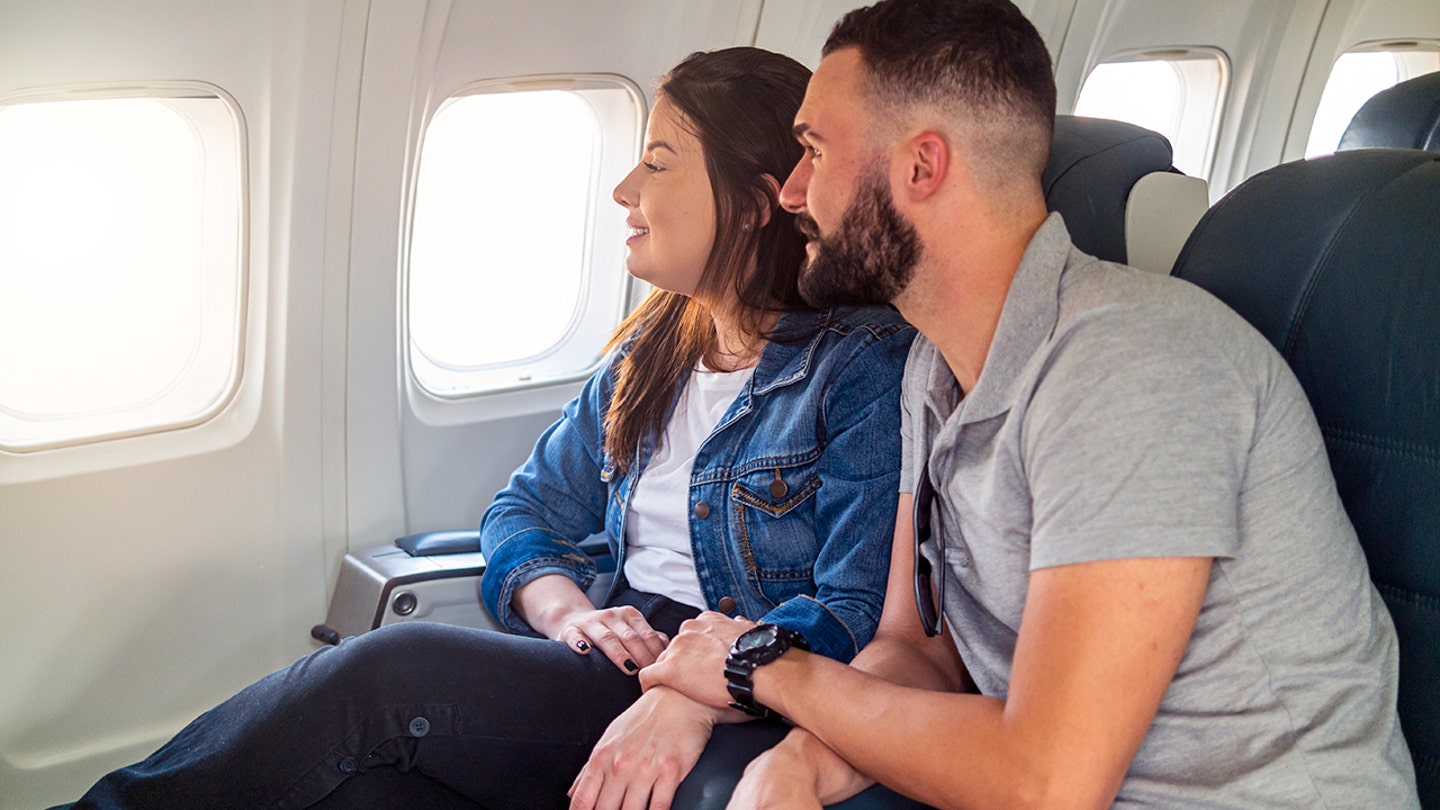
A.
x: 812, y: 553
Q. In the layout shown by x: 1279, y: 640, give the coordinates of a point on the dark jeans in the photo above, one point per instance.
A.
x: 412, y: 715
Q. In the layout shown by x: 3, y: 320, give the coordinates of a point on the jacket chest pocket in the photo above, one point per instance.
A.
x: 774, y: 518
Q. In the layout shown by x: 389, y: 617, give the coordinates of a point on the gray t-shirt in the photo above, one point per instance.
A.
x: 1122, y: 414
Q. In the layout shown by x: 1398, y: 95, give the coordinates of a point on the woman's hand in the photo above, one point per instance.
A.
x: 621, y: 633
x: 556, y: 607
x: 646, y: 752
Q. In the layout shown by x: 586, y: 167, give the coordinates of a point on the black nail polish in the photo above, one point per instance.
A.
x: 631, y: 665
x: 581, y: 646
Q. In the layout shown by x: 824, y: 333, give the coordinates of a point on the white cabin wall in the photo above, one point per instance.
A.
x: 147, y: 578
x: 1266, y: 43
x: 799, y: 27
x: 415, y: 462
x: 1349, y: 23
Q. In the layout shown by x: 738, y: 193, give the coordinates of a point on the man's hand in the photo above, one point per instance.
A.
x: 800, y: 771
x: 694, y: 662
x: 646, y: 752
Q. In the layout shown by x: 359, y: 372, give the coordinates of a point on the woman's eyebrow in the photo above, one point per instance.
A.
x: 653, y: 145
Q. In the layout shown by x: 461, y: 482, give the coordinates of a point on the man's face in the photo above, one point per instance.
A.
x: 861, y: 249
x: 869, y: 258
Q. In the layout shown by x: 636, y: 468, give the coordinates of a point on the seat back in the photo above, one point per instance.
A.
x: 1406, y: 116
x: 1337, y: 262
x: 1097, y: 169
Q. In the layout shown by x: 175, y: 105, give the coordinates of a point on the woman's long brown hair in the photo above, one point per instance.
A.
x: 740, y: 103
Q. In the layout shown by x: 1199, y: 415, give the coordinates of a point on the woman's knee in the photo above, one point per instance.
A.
x: 384, y: 659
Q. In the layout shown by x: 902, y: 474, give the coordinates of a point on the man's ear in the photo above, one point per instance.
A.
x: 765, y: 203
x: 927, y: 157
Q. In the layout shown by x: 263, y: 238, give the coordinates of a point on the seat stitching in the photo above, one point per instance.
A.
x: 1408, y: 597
x: 1322, y: 264
x: 1416, y: 451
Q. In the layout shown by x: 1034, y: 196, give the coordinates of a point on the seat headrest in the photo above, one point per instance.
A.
x: 1093, y: 165
x: 1406, y: 116
x: 1337, y: 262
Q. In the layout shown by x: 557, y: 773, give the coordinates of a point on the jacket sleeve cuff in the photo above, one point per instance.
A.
x: 541, y: 556
x: 823, y: 630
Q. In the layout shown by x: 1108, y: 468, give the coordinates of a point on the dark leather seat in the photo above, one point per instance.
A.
x: 1094, y: 163
x: 1337, y: 261
x: 1406, y: 116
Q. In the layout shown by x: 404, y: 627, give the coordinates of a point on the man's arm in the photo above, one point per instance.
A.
x: 1099, y: 643
x: 900, y: 653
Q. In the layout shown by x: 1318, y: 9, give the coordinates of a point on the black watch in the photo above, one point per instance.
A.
x: 756, y: 647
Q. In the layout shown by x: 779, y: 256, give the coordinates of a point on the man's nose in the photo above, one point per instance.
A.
x: 797, y: 186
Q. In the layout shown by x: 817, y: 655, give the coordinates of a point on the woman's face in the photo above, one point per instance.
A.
x: 670, y: 204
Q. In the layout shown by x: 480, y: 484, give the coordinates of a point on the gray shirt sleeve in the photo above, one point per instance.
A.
x: 1135, y: 441
x: 912, y: 404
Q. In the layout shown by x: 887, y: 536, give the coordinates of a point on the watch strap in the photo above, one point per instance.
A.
x: 741, y: 664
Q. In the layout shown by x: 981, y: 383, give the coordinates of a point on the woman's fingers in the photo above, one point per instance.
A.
x: 622, y: 634
x: 575, y: 639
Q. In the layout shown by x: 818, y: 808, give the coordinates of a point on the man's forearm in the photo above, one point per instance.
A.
x: 897, y: 734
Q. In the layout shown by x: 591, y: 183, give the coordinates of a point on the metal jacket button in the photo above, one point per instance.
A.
x: 726, y: 604
x: 778, y: 488
x: 702, y: 510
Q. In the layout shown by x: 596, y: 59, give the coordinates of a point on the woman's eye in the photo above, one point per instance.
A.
x: 652, y: 167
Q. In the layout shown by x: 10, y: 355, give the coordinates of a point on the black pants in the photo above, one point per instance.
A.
x: 412, y: 715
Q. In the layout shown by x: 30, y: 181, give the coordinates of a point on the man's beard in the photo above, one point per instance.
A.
x: 869, y: 259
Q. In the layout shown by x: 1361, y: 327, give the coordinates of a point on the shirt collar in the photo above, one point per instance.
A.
x: 1028, y: 318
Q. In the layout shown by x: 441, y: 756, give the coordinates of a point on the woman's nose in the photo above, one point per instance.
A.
x: 625, y: 193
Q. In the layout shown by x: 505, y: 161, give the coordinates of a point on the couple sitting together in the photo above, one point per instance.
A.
x: 1075, y: 543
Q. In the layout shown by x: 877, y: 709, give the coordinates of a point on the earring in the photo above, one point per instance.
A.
x: 745, y: 226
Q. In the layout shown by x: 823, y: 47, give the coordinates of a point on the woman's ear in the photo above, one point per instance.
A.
x: 765, y: 203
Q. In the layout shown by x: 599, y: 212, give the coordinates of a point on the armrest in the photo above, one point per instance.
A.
x: 426, y: 544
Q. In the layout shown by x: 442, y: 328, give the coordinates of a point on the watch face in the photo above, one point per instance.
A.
x: 761, y: 635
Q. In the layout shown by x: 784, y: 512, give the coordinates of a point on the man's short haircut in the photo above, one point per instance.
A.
x: 979, y: 63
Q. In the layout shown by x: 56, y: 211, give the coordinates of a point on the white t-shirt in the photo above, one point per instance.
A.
x: 658, y: 558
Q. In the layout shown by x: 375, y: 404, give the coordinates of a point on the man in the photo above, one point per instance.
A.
x: 1151, y: 593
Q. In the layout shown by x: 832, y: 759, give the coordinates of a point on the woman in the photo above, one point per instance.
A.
x: 740, y: 451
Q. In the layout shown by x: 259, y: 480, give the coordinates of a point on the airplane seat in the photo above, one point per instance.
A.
x: 1406, y: 116
x: 1337, y: 262
x: 1122, y: 199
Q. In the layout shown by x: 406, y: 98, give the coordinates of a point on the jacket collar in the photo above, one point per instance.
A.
x: 784, y: 363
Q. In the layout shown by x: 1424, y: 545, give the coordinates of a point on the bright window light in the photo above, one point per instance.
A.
x: 1177, y: 96
x: 120, y: 265
x: 1355, y: 78
x: 508, y: 285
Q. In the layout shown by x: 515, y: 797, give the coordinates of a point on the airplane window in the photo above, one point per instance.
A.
x: 1356, y: 77
x: 516, y: 272
x: 1175, y: 92
x: 120, y: 263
